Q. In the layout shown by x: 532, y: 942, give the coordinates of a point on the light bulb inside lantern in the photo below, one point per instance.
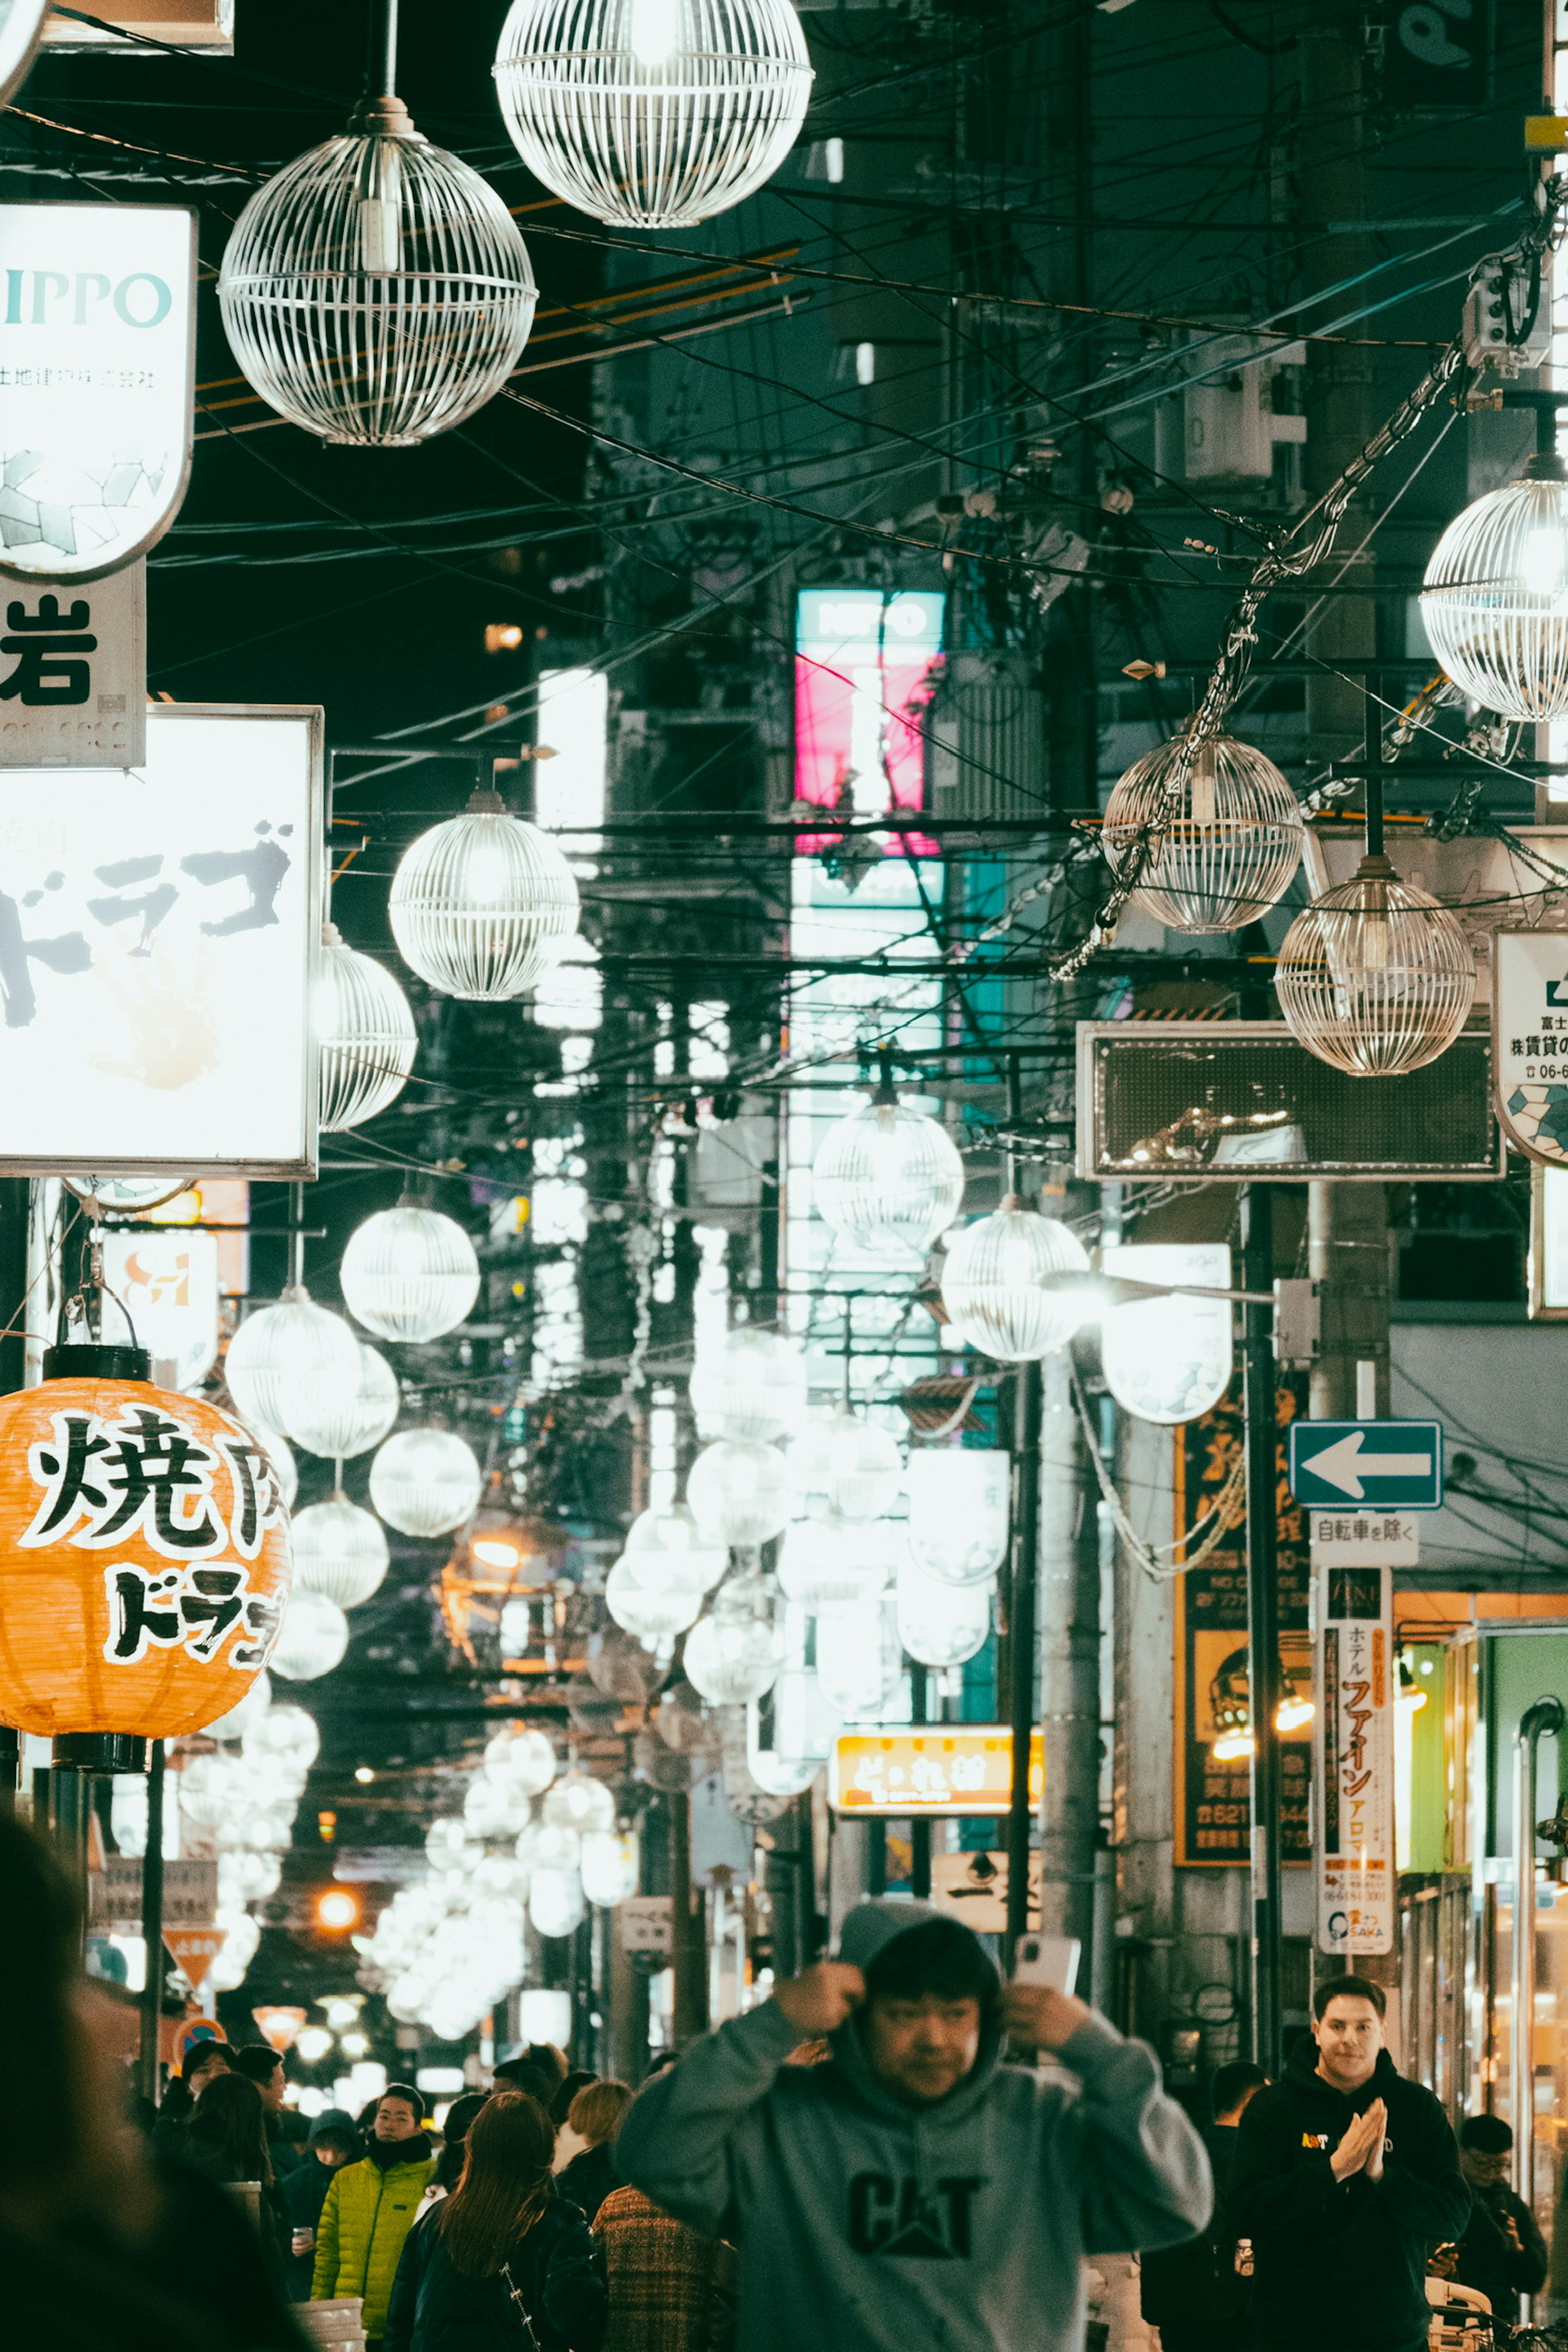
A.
x: 654, y: 28
x: 495, y: 1553
x: 1201, y: 785
x: 1544, y: 562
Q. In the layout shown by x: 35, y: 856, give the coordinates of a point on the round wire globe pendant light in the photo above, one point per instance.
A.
x: 366, y: 1033
x: 339, y: 1550
x: 481, y: 905
x: 889, y: 1177
x: 998, y: 1283
x: 295, y: 1351
x: 425, y: 1482
x: 1375, y: 977
x: 1494, y: 602
x: 1212, y: 830
x: 409, y: 1273
x: 376, y: 290
x: 338, y: 1424
x: 653, y: 113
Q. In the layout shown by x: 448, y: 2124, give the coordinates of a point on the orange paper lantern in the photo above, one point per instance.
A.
x: 144, y: 1557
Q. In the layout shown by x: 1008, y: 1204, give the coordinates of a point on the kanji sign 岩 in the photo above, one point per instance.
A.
x: 73, y: 673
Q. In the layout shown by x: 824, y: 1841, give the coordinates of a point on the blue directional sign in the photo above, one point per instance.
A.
x: 1394, y: 1465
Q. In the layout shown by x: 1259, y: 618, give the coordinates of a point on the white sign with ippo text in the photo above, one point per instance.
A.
x: 97, y: 383
x: 1357, y: 1888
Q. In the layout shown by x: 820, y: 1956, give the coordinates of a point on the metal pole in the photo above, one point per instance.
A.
x: 152, y: 1926
x: 1263, y: 1626
x: 1022, y: 1642
x: 920, y: 1827
x: 1546, y: 1716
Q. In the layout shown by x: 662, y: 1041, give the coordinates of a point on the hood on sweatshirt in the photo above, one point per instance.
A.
x: 867, y: 1933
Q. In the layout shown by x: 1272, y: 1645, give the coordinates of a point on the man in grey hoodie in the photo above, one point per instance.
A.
x: 915, y: 2195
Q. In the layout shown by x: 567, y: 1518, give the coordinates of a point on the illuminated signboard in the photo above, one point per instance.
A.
x: 158, y: 937
x: 864, y: 659
x: 97, y: 377
x: 21, y: 22
x: 948, y: 1768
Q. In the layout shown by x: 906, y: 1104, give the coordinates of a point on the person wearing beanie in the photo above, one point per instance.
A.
x: 914, y: 2191
x: 333, y: 2142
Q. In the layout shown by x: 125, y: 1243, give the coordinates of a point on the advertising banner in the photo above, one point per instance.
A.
x: 97, y: 383
x: 863, y: 682
x: 1530, y: 1041
x: 158, y: 938
x: 1357, y: 1889
x: 74, y: 693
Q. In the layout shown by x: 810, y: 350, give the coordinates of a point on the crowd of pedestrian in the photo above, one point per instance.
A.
x: 895, y: 2151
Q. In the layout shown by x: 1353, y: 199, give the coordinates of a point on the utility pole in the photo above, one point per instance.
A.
x: 1260, y: 1388
x: 1023, y: 1647
x: 1068, y: 1652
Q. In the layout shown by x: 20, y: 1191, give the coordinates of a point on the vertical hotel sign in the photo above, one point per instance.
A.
x: 1356, y: 1886
x: 96, y: 383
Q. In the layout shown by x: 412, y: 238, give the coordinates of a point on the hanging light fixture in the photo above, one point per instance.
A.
x: 286, y: 1736
x: 494, y: 1808
x: 409, y: 1273
x: 251, y: 1709
x: 652, y: 1614
x: 941, y: 1624
x: 376, y: 290
x: 295, y: 1350
x: 524, y: 1756
x: 653, y: 113
x: 579, y: 1803
x: 825, y: 1563
x: 733, y: 1654
x: 998, y: 1282
x: 1494, y: 602
x: 365, y: 1031
x: 609, y: 1867
x: 124, y: 1196
x: 312, y: 1638
x: 281, y: 1454
x: 349, y: 1422
x: 852, y: 1466
x: 426, y: 1482
x: 888, y: 1177
x: 670, y: 1544
x: 1217, y: 855
x: 958, y: 1522
x: 481, y: 905
x: 739, y: 1492
x: 1376, y: 978
x: 555, y: 1902
x: 754, y: 1386
x: 340, y: 1550
x: 1168, y: 1360
x: 860, y: 1657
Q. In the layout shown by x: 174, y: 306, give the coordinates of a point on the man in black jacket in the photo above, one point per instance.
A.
x: 1502, y: 2254
x: 1346, y: 2176
x: 1199, y: 2295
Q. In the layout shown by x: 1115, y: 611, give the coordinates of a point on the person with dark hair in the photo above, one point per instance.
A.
x: 370, y: 2209
x: 596, y: 2115
x: 1198, y: 2294
x: 1346, y: 2176
x: 914, y: 2189
x: 204, y: 2060
x: 100, y: 2250
x: 503, y: 2255
x: 1502, y: 2253
x: 453, y: 2140
x: 263, y: 2065
x: 533, y: 2082
x: 226, y: 2139
x: 333, y: 2142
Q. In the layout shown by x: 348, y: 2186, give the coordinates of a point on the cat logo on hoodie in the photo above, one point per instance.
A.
x: 888, y: 2217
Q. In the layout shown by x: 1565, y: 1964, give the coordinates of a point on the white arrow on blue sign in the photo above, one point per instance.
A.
x: 1392, y: 1465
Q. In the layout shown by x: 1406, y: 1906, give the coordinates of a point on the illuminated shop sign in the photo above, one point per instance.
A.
x: 864, y: 665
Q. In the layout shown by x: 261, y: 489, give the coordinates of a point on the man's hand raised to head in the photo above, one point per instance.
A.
x: 818, y: 2001
x: 1037, y: 2017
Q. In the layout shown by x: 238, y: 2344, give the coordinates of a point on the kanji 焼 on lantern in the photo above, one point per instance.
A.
x: 144, y: 1555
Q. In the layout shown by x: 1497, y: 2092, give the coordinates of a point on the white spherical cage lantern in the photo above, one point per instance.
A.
x: 339, y: 1425
x: 479, y: 905
x: 860, y: 1657
x: 994, y: 1280
x: 409, y: 1273
x: 888, y: 1177
x: 940, y: 1625
x: 579, y: 1803
x: 376, y: 290
x: 312, y: 1638
x: 826, y: 1563
x: 652, y: 1614
x: 340, y: 1550
x: 522, y: 1755
x: 739, y: 1492
x: 1495, y: 604
x: 555, y: 1902
x: 653, y: 113
x: 959, y: 1505
x: 294, y: 1348
x: 365, y: 1034
x: 1218, y: 852
x: 663, y: 1544
x: 1375, y: 977
x: 426, y: 1482
x: 609, y: 1867
x: 751, y: 1388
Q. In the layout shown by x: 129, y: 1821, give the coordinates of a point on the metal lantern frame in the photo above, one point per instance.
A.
x: 481, y: 905
x: 365, y: 1032
x: 376, y: 290
x: 409, y: 1273
x: 888, y: 1177
x: 1209, y: 831
x: 1495, y: 601
x: 653, y: 113
x: 995, y: 1283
